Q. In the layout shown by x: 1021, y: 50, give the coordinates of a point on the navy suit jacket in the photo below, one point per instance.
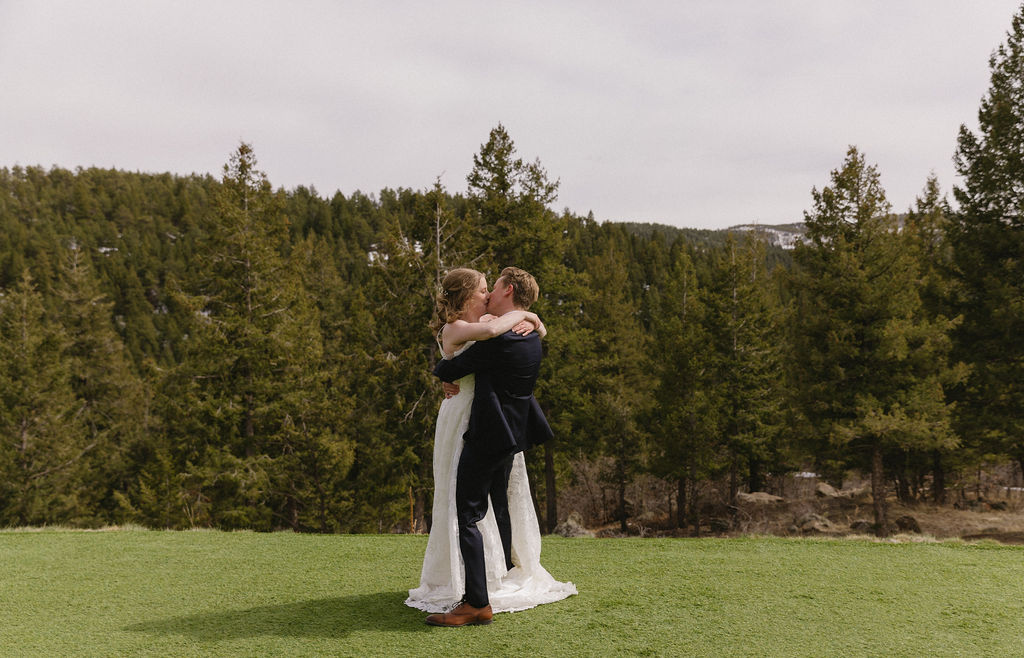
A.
x: 505, y: 417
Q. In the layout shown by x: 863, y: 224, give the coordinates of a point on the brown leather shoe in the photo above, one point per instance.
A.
x: 462, y: 615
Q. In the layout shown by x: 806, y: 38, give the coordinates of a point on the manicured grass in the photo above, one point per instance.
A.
x: 212, y: 593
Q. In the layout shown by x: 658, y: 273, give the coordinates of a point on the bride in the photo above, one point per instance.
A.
x: 516, y: 581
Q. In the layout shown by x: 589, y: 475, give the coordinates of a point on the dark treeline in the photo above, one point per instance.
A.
x: 181, y: 351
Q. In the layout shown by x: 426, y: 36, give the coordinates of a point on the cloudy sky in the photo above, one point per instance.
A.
x: 699, y: 113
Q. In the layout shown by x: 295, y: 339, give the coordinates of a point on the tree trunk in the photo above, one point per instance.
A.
x: 671, y: 499
x: 755, y: 480
x: 902, y: 484
x: 550, y: 491
x: 693, y: 499
x: 412, y: 513
x: 420, y: 511
x: 249, y: 429
x: 623, y: 527
x: 734, y: 468
x: 878, y: 491
x: 681, y: 502
x: 938, y: 478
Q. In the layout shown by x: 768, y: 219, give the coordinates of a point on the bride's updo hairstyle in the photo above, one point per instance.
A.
x: 456, y: 288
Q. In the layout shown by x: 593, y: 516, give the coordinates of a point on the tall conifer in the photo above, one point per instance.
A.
x: 744, y: 322
x: 873, y: 368
x: 926, y: 235
x: 257, y: 427
x: 684, y: 419
x: 987, y: 234
x: 115, y: 405
x: 42, y: 438
x: 511, y: 222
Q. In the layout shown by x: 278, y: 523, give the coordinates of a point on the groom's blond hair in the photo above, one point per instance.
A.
x: 525, y: 290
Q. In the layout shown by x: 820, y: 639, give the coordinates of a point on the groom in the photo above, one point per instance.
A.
x: 504, y: 419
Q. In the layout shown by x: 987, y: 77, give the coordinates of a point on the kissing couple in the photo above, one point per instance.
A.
x: 484, y: 558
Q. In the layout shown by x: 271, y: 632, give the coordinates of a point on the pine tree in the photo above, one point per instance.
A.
x: 684, y: 419
x: 925, y: 235
x: 987, y: 234
x: 396, y: 394
x: 114, y: 401
x: 510, y: 222
x: 618, y: 385
x: 510, y: 201
x: 743, y: 320
x: 253, y: 420
x: 873, y: 368
x: 43, y: 438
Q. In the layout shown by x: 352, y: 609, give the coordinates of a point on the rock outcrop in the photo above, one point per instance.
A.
x: 758, y: 498
x: 573, y: 527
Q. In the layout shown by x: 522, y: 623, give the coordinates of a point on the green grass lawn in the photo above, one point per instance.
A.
x: 213, y: 593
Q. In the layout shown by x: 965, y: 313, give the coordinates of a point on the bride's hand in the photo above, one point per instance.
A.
x: 532, y: 322
x: 524, y: 327
x: 450, y: 389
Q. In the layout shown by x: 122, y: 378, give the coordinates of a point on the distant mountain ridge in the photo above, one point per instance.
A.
x: 783, y: 236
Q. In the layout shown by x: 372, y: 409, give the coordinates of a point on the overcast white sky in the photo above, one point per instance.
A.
x: 699, y: 113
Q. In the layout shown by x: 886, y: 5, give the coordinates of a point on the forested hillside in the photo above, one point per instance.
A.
x: 182, y: 351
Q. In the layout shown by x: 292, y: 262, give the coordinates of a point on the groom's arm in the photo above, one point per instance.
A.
x: 478, y: 357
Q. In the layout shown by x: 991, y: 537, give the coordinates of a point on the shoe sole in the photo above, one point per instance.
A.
x: 482, y: 622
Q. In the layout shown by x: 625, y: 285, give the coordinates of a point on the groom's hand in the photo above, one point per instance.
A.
x: 450, y: 389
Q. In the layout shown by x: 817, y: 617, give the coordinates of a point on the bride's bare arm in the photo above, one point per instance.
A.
x: 458, y: 333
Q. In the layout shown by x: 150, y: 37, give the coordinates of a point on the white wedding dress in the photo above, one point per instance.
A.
x: 443, y: 579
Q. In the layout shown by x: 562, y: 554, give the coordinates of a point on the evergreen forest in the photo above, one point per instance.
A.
x: 185, y: 351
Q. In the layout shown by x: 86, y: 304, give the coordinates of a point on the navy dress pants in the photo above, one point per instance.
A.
x: 481, y: 475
